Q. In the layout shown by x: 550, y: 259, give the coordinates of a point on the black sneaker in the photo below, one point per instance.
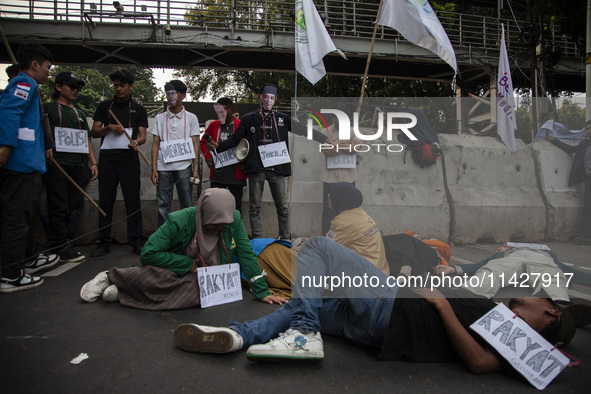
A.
x: 24, y: 282
x: 68, y: 255
x: 100, y: 251
x: 137, y: 249
x: 42, y: 262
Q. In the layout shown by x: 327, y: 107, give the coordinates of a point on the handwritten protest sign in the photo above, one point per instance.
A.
x: 114, y: 141
x: 219, y: 284
x: 225, y: 158
x: 71, y: 140
x: 177, y: 150
x: 346, y: 160
x: 527, y: 351
x: 274, y: 154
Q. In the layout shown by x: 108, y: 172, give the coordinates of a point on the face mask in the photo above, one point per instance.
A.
x: 221, y: 112
x: 268, y: 101
x: 171, y: 97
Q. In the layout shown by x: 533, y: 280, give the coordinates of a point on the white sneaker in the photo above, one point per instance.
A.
x: 111, y: 294
x: 93, y: 289
x: 205, y: 339
x: 290, y: 346
x: 41, y: 262
x: 24, y: 282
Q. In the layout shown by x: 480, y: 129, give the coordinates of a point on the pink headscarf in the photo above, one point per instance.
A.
x: 215, y: 206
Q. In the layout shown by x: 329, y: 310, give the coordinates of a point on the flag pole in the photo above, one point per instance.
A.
x: 373, y: 40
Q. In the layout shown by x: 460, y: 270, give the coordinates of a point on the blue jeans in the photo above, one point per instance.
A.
x: 256, y: 184
x: 166, y: 182
x: 359, y: 314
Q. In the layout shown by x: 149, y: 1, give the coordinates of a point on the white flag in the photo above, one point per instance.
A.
x: 312, y: 42
x: 506, y: 121
x: 417, y: 22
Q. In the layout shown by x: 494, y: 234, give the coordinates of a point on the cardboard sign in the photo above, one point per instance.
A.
x: 114, y: 141
x: 225, y: 158
x: 527, y: 351
x: 219, y: 284
x: 346, y: 160
x: 274, y: 154
x: 177, y: 150
x: 71, y: 140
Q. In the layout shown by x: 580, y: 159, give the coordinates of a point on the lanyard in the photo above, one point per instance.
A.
x: 201, y: 258
x: 185, y: 129
x: 59, y: 111
x: 276, y: 128
x: 128, y: 118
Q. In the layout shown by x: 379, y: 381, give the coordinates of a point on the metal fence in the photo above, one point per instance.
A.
x: 354, y: 18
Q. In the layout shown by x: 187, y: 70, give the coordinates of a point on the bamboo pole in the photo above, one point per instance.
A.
x: 78, y: 187
x: 373, y: 40
x: 129, y: 138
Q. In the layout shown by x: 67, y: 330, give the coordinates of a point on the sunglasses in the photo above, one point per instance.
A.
x: 74, y: 87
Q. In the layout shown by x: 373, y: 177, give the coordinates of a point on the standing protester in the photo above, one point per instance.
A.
x: 118, y: 161
x: 581, y: 172
x: 266, y: 129
x: 22, y: 155
x: 231, y: 176
x: 172, y: 166
x: 71, y: 135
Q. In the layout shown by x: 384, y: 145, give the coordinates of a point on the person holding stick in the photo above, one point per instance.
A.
x: 22, y: 149
x: 71, y: 135
x: 116, y: 121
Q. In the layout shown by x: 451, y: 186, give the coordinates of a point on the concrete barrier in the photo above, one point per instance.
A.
x: 563, y: 203
x: 494, y: 191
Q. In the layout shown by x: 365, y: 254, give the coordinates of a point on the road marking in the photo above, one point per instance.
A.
x: 61, y: 269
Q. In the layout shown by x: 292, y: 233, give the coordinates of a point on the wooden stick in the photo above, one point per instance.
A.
x: 129, y: 138
x: 373, y: 40
x: 78, y: 187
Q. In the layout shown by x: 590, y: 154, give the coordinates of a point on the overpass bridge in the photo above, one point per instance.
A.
x: 259, y: 35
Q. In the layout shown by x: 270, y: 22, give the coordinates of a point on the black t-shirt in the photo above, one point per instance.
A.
x: 131, y: 114
x: 416, y: 332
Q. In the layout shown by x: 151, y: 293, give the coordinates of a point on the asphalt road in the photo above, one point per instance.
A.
x: 132, y: 351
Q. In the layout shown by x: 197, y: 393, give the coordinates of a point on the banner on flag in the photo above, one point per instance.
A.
x: 506, y: 120
x: 312, y: 42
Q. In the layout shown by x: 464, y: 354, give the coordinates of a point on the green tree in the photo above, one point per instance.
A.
x: 98, y: 85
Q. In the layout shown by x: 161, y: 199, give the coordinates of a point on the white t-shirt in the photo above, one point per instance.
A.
x: 169, y: 127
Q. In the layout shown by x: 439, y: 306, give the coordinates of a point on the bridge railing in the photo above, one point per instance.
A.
x: 342, y: 18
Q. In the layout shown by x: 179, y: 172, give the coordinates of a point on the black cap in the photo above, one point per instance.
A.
x: 567, y: 326
x: 66, y: 77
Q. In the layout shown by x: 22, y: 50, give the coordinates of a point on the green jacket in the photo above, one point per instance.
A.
x: 166, y: 247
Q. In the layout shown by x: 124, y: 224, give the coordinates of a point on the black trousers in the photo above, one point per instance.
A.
x: 17, y: 240
x: 127, y: 174
x: 236, y: 190
x: 62, y: 199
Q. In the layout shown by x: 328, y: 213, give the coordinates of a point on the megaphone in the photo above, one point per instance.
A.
x: 242, y: 149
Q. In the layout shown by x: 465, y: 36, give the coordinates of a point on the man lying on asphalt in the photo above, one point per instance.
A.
x: 420, y: 325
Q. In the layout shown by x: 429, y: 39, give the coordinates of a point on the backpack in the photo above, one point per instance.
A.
x: 424, y: 154
x: 424, y: 150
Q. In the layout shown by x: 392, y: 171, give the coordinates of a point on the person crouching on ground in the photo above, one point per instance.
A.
x: 211, y: 233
